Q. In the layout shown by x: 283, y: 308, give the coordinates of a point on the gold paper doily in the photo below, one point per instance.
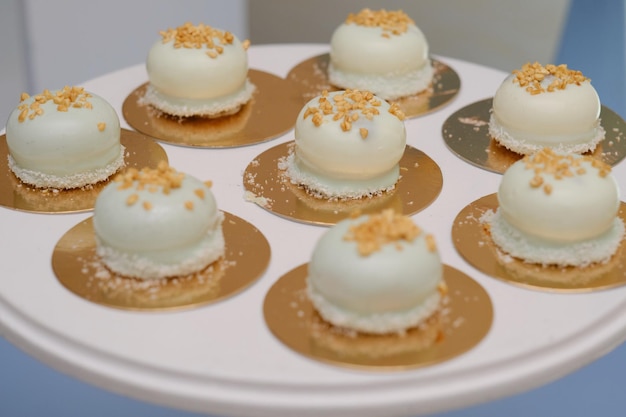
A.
x: 271, y: 112
x: 268, y: 186
x: 476, y: 246
x: 465, y: 320
x: 141, y: 151
x: 466, y: 133
x: 79, y: 269
x: 312, y: 76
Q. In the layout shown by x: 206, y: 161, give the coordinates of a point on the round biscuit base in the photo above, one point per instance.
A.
x: 210, y: 108
x: 66, y: 182
x: 524, y: 147
x: 387, y: 87
x: 141, y: 267
x: 323, y: 188
x: 533, y: 250
x: 374, y: 323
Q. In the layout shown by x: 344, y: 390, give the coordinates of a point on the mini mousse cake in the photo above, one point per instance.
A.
x: 376, y: 274
x: 347, y: 145
x: 557, y: 209
x: 64, y: 139
x: 546, y: 106
x: 198, y: 71
x: 157, y: 223
x: 380, y: 51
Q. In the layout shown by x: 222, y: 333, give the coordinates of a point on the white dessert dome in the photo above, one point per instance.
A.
x: 380, y: 51
x: 157, y: 223
x: 64, y: 139
x: 198, y: 70
x: 557, y: 208
x: 375, y: 273
x: 546, y: 106
x: 347, y: 145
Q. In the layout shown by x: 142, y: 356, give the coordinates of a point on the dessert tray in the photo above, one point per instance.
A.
x: 223, y: 359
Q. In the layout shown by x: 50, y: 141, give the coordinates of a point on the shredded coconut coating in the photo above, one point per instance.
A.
x: 524, y: 147
x: 394, y: 22
x: 133, y: 265
x: 350, y: 190
x: 385, y: 86
x: 376, y: 323
x: 209, y: 108
x: 80, y: 179
x: 531, y: 76
x: 581, y: 254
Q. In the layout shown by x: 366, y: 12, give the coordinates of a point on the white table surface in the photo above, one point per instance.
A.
x: 221, y: 359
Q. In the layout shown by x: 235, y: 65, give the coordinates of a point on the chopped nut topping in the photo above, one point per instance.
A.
x: 64, y: 99
x: 164, y: 178
x: 391, y: 22
x: 547, y: 189
x: 442, y: 287
x: 102, y: 126
x: 548, y: 162
x: 430, y: 243
x: 132, y: 199
x: 531, y: 76
x: 347, y: 107
x: 536, y: 181
x: 200, y: 36
x: 199, y: 192
x: 380, y: 229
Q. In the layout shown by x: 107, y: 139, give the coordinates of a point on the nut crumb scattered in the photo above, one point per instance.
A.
x: 531, y: 76
x: 393, y: 22
x: 380, y: 229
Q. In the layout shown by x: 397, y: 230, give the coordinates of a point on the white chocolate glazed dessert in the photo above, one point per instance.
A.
x: 546, y: 106
x: 376, y: 274
x: 557, y: 209
x: 380, y: 51
x: 157, y: 223
x: 198, y: 71
x: 347, y: 146
x: 64, y: 139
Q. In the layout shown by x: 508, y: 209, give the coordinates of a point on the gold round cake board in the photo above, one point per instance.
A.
x: 473, y: 242
x: 266, y: 185
x: 271, y: 112
x: 141, y: 151
x: 466, y: 133
x: 312, y: 76
x: 79, y: 269
x: 463, y: 322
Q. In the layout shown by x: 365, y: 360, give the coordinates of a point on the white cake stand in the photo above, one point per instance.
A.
x: 221, y: 359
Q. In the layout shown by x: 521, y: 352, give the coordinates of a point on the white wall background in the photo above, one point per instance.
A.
x: 66, y: 42
x: 13, y: 62
x: 48, y: 44
x: 502, y: 34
